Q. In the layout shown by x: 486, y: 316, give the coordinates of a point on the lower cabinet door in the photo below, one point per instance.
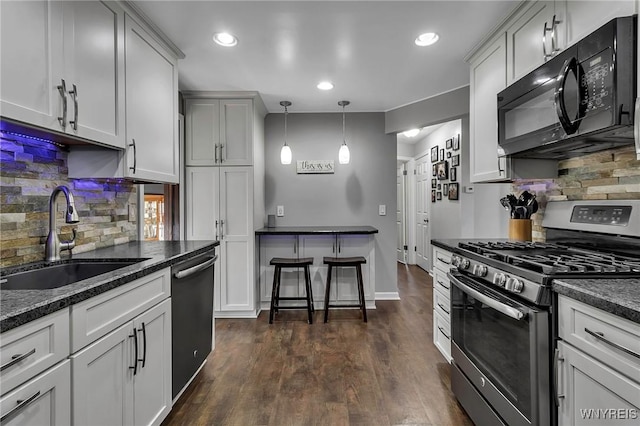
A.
x: 152, y: 382
x: 442, y: 335
x: 102, y: 380
x: 44, y: 400
x: 278, y: 246
x: 590, y: 392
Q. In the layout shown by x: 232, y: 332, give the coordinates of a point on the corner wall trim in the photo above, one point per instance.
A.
x: 391, y: 295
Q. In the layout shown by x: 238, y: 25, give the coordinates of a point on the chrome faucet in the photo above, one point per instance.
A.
x: 54, y: 246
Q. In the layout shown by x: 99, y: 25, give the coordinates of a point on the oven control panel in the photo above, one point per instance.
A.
x: 602, y: 215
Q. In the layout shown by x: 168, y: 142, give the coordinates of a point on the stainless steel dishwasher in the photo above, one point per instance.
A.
x: 191, y: 317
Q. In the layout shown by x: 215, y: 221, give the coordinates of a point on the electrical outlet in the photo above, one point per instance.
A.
x: 280, y: 211
x: 468, y: 189
x: 133, y: 213
x: 382, y: 210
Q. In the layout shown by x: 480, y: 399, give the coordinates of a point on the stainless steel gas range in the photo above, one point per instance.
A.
x: 502, y: 305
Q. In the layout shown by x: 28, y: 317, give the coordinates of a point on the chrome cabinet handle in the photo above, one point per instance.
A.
x: 74, y: 96
x: 21, y: 405
x: 195, y: 269
x: 221, y: 157
x: 221, y: 229
x: 135, y: 156
x: 135, y: 355
x: 551, y: 30
x: 556, y: 372
x: 444, y: 261
x: 443, y: 333
x: 442, y: 307
x: 636, y: 128
x: 600, y: 336
x: 215, y: 149
x: 217, y: 229
x: 144, y: 345
x: 62, y: 89
x: 17, y: 358
x: 442, y: 284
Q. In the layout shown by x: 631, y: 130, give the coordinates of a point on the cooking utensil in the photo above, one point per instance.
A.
x: 505, y: 203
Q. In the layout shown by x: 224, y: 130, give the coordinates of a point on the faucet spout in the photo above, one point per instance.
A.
x: 53, y: 246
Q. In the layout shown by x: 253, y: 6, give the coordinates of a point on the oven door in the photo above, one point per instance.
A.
x: 503, y: 348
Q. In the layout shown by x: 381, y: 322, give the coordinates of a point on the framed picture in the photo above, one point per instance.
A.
x: 453, y: 191
x: 442, y: 170
x: 433, y: 183
x: 448, y: 154
x: 434, y: 154
x: 449, y: 143
x: 438, y: 195
x: 456, y: 142
x: 442, y: 154
x: 455, y: 160
x: 433, y: 196
x: 453, y: 172
x: 445, y: 189
x: 433, y: 170
x: 439, y: 187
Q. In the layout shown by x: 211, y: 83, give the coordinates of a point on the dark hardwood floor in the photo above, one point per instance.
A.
x: 345, y: 372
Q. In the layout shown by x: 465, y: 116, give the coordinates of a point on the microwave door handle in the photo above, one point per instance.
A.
x: 489, y: 301
x: 570, y: 127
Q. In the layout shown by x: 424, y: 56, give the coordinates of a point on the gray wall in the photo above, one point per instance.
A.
x: 352, y: 194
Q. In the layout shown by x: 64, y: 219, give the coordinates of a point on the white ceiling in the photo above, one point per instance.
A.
x: 366, y: 48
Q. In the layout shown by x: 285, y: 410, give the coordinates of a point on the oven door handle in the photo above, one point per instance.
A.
x: 489, y: 301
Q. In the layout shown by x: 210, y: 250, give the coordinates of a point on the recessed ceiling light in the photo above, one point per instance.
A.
x: 427, y: 39
x: 225, y: 39
x: 325, y: 85
x: 411, y: 133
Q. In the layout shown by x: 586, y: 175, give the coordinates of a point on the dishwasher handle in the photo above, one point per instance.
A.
x: 195, y: 269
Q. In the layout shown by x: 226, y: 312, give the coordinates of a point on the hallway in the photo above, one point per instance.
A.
x: 345, y: 372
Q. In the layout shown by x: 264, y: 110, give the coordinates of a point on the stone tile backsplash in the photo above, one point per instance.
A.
x: 29, y: 171
x: 607, y: 175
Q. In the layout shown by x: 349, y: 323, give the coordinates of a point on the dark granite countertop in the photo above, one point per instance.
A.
x: 19, y: 307
x: 452, y: 244
x: 620, y: 296
x: 310, y: 230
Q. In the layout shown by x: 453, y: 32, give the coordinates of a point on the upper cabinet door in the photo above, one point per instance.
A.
x: 525, y: 49
x: 582, y: 18
x: 31, y: 66
x: 151, y: 78
x: 202, y: 131
x: 488, y: 77
x: 94, y: 67
x: 236, y: 132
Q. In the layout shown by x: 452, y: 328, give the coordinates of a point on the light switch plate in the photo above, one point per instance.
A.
x: 468, y: 190
x: 280, y: 211
x: 382, y: 210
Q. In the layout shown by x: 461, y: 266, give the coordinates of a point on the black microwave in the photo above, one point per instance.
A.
x: 578, y: 102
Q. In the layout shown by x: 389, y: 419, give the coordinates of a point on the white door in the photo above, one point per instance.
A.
x: 31, y: 66
x: 236, y: 132
x: 202, y: 132
x: 102, y: 380
x: 236, y: 239
x: 152, y: 382
x: 423, y: 198
x: 151, y: 107
x: 203, y: 204
x: 401, y: 223
x: 94, y: 69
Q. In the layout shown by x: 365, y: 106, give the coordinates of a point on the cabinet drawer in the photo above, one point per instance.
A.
x: 442, y: 335
x: 441, y: 304
x: 39, y: 344
x: 99, y: 315
x: 441, y: 281
x: 578, y: 323
x: 45, y: 400
x: 441, y: 259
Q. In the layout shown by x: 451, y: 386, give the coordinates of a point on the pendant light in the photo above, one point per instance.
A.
x: 343, y: 155
x: 285, y: 152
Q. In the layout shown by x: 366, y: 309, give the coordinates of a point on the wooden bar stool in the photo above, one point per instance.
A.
x: 280, y: 263
x: 341, y: 262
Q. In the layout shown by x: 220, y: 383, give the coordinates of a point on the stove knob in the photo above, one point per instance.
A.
x: 499, y: 279
x: 455, y: 260
x: 464, y: 263
x: 515, y: 285
x: 479, y: 270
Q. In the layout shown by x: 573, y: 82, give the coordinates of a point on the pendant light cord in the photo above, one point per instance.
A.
x: 285, y: 125
x: 344, y: 142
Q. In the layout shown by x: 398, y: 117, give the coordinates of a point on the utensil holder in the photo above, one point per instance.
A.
x: 520, y: 229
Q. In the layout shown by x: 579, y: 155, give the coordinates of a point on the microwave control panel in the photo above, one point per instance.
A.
x: 602, y: 215
x: 596, y: 81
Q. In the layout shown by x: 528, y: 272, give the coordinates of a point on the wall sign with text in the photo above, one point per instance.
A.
x: 314, y: 166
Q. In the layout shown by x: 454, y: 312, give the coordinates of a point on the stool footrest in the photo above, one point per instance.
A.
x: 345, y: 306
x: 278, y: 307
x: 292, y: 298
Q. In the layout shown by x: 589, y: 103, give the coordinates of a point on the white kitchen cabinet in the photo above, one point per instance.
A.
x: 345, y: 281
x: 290, y: 279
x: 55, y: 77
x: 44, y: 400
x: 219, y: 132
x: 441, y: 302
x: 125, y: 377
x: 220, y: 207
x: 595, y: 377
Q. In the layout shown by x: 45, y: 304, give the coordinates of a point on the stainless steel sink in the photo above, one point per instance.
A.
x: 61, y: 274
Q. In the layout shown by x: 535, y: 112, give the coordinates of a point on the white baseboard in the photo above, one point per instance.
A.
x: 390, y: 295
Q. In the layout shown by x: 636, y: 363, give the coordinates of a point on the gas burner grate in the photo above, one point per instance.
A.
x: 580, y: 263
